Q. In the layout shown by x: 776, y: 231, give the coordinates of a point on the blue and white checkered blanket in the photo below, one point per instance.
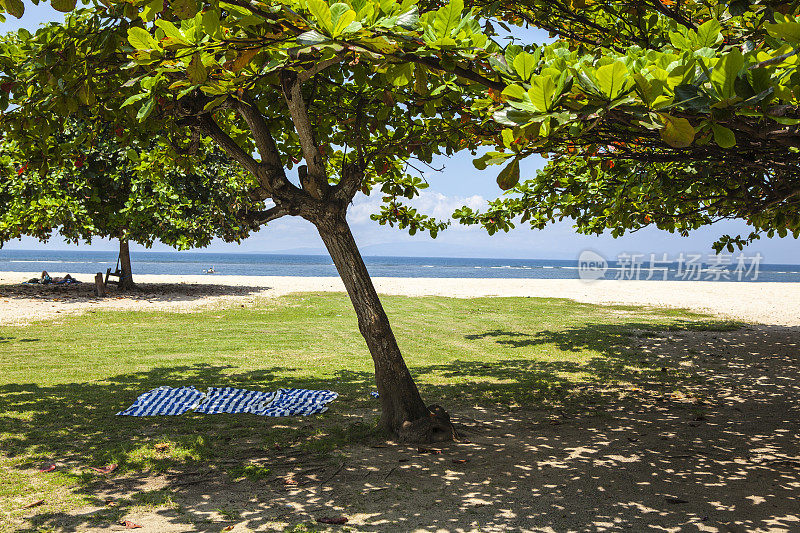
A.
x: 291, y: 402
x: 164, y: 401
x: 230, y: 400
x: 283, y: 402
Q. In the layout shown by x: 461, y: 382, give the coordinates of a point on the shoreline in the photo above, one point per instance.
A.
x: 773, y: 303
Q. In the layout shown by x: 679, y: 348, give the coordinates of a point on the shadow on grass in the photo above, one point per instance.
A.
x: 261, y: 471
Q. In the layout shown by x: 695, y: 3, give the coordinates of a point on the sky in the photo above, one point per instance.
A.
x: 457, y: 185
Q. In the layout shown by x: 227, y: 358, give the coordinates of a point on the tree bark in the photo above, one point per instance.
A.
x: 403, y: 412
x: 126, y: 281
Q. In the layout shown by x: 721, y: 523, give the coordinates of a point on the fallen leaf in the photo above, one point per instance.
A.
x: 110, y: 503
x: 37, y: 503
x: 428, y: 450
x: 130, y: 525
x: 47, y: 468
x: 460, y: 461
x: 676, y: 500
x: 104, y: 469
x: 228, y: 528
x: 338, y: 520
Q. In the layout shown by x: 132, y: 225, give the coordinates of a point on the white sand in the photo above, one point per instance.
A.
x: 766, y: 303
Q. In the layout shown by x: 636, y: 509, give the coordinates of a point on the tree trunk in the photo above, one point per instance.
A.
x: 126, y: 281
x: 403, y: 413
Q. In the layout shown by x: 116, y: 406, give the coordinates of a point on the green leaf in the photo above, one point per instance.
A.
x: 649, y: 89
x: 788, y: 31
x: 725, y: 71
x: 171, y: 31
x: 410, y: 19
x: 211, y: 23
x: 447, y: 18
x: 612, y: 79
x: 401, y: 75
x: 680, y: 41
x: 65, y: 6
x: 133, y: 155
x: 184, y: 9
x: 145, y: 110
x: 151, y: 9
x: 215, y: 102
x: 311, y: 37
x: 85, y: 94
x: 541, y: 92
x: 723, y: 136
x: 341, y: 17
x: 786, y: 121
x: 508, y: 137
x: 677, y: 132
x: 141, y: 39
x: 512, y: 117
x: 15, y: 7
x: 709, y: 34
x: 322, y: 14
x: 525, y: 64
x: 515, y: 92
x: 133, y: 99
x: 509, y: 176
x: 197, y: 71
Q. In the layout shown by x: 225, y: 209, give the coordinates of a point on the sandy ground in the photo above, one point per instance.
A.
x: 720, y: 455
x: 764, y: 303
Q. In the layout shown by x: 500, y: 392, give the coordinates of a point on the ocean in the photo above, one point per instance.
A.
x: 731, y: 269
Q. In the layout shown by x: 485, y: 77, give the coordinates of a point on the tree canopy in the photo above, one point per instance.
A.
x: 122, y: 190
x: 671, y: 114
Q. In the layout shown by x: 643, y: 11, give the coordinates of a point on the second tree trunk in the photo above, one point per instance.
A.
x: 126, y: 280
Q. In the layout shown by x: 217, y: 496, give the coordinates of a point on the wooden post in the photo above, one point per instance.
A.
x: 99, y: 285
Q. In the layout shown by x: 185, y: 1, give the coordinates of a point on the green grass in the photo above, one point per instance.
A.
x: 62, y: 381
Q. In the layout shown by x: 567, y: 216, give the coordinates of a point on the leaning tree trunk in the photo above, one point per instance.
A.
x: 126, y: 281
x: 403, y: 413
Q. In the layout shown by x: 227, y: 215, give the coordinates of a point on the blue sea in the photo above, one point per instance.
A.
x: 191, y: 263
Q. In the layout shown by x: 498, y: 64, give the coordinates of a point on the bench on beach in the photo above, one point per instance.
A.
x: 116, y: 274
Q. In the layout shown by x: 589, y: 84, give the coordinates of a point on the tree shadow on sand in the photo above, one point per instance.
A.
x: 671, y: 429
x: 146, y: 292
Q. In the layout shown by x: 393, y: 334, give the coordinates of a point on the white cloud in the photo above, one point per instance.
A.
x: 431, y: 203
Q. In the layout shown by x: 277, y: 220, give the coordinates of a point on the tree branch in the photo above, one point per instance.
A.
x: 674, y: 14
x: 259, y: 218
x: 319, y: 67
x: 208, y: 126
x: 317, y: 184
x: 272, y: 176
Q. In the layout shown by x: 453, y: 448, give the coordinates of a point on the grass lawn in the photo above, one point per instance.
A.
x: 61, y: 382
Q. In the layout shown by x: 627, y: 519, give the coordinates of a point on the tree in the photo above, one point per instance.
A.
x: 360, y: 90
x: 339, y: 86
x: 652, y: 113
x: 116, y: 187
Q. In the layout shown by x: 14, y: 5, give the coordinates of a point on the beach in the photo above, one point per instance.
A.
x: 760, y: 303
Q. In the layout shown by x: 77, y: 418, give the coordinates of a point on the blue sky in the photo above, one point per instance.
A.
x: 459, y: 184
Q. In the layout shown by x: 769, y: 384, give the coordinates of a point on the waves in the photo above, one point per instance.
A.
x: 194, y: 263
